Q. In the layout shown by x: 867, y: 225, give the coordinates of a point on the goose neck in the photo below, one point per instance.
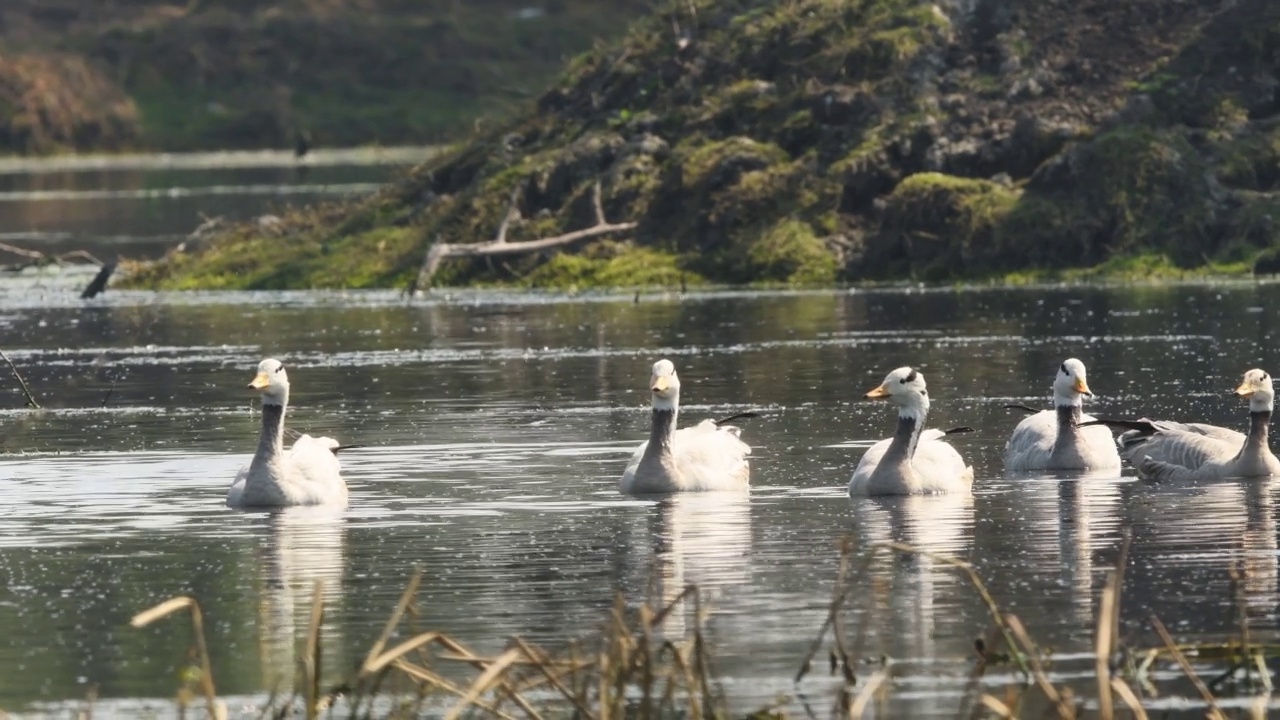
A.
x: 271, y: 443
x: 1259, y: 427
x: 907, y: 437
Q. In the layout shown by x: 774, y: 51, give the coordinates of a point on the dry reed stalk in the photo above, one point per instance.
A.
x: 1130, y: 699
x: 381, y: 661
x: 837, y: 625
x: 311, y: 659
x: 511, y: 687
x: 996, y: 615
x: 173, y: 605
x: 406, y: 598
x: 424, y: 675
x: 487, y: 679
x: 998, y: 707
x: 543, y: 664
x: 646, y: 669
x: 31, y: 400
x: 838, y: 595
x: 1237, y: 575
x: 1102, y: 645
x: 704, y: 658
x: 1065, y: 710
x: 860, y: 701
x: 1214, y: 711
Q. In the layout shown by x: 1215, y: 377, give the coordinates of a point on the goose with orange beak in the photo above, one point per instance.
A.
x: 1054, y: 439
x: 914, y: 461
x: 306, y: 475
x: 706, y: 456
x: 1167, y: 450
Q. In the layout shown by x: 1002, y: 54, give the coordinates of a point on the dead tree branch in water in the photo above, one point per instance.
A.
x: 99, y: 282
x: 31, y: 400
x: 439, y: 251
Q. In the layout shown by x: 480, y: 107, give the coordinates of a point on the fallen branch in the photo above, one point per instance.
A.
x: 31, y: 400
x: 35, y: 258
x: 439, y: 251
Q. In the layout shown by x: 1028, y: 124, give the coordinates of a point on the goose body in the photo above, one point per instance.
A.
x: 705, y: 457
x: 1166, y: 450
x: 308, y: 474
x: 1054, y: 439
x: 914, y: 461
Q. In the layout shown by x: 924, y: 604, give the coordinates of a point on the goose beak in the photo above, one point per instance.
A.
x: 1246, y: 389
x: 661, y: 383
x: 879, y: 393
x: 260, y: 382
x: 1082, y: 387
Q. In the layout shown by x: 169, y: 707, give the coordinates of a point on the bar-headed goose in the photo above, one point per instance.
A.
x: 707, y: 456
x: 1165, y: 450
x: 913, y: 461
x: 1054, y: 440
x: 307, y: 475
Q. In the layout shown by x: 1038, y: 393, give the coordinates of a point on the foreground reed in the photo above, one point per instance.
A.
x: 634, y: 670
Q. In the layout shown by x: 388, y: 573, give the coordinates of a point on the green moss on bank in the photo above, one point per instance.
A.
x: 814, y: 142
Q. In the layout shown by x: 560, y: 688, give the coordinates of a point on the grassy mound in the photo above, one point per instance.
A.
x: 813, y: 141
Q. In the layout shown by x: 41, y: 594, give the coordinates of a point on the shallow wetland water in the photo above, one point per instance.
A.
x: 497, y: 425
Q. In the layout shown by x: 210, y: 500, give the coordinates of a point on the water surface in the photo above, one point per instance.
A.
x: 497, y: 425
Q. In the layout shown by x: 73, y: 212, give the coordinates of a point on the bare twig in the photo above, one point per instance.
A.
x: 1215, y: 712
x: 509, y: 216
x: 168, y: 607
x: 439, y: 252
x: 31, y: 400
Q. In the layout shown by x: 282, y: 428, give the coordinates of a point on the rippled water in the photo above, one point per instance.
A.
x: 139, y: 205
x: 497, y: 425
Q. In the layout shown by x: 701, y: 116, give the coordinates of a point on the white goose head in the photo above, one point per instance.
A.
x: 1070, y: 384
x: 904, y: 387
x: 1256, y: 386
x: 272, y: 381
x: 665, y: 386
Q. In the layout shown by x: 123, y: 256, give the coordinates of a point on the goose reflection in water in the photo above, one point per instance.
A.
x: 1199, y: 532
x: 701, y: 539
x: 302, y: 545
x: 918, y: 588
x: 1070, y: 519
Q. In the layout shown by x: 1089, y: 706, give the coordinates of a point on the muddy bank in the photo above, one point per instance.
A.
x: 819, y: 141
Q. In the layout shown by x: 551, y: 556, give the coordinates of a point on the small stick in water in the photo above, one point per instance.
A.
x: 31, y: 400
x: 99, y: 282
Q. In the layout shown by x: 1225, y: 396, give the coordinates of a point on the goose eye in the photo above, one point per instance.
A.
x: 280, y: 369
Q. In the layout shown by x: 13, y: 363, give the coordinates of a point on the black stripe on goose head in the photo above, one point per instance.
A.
x: 911, y: 377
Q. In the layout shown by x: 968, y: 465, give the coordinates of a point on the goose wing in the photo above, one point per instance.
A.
x: 313, y: 467
x: 940, y: 468
x: 1031, y: 443
x: 1180, y: 445
x: 711, y: 456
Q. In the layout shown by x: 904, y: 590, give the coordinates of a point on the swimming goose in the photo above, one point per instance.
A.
x: 1194, y: 455
x: 1054, y: 440
x: 307, y: 475
x: 914, y: 461
x: 707, y: 456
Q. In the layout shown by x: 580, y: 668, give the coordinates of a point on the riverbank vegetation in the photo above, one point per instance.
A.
x: 647, y: 661
x: 812, y: 142
x: 177, y: 75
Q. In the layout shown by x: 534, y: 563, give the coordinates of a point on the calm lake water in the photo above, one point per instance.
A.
x: 140, y: 205
x: 497, y: 426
